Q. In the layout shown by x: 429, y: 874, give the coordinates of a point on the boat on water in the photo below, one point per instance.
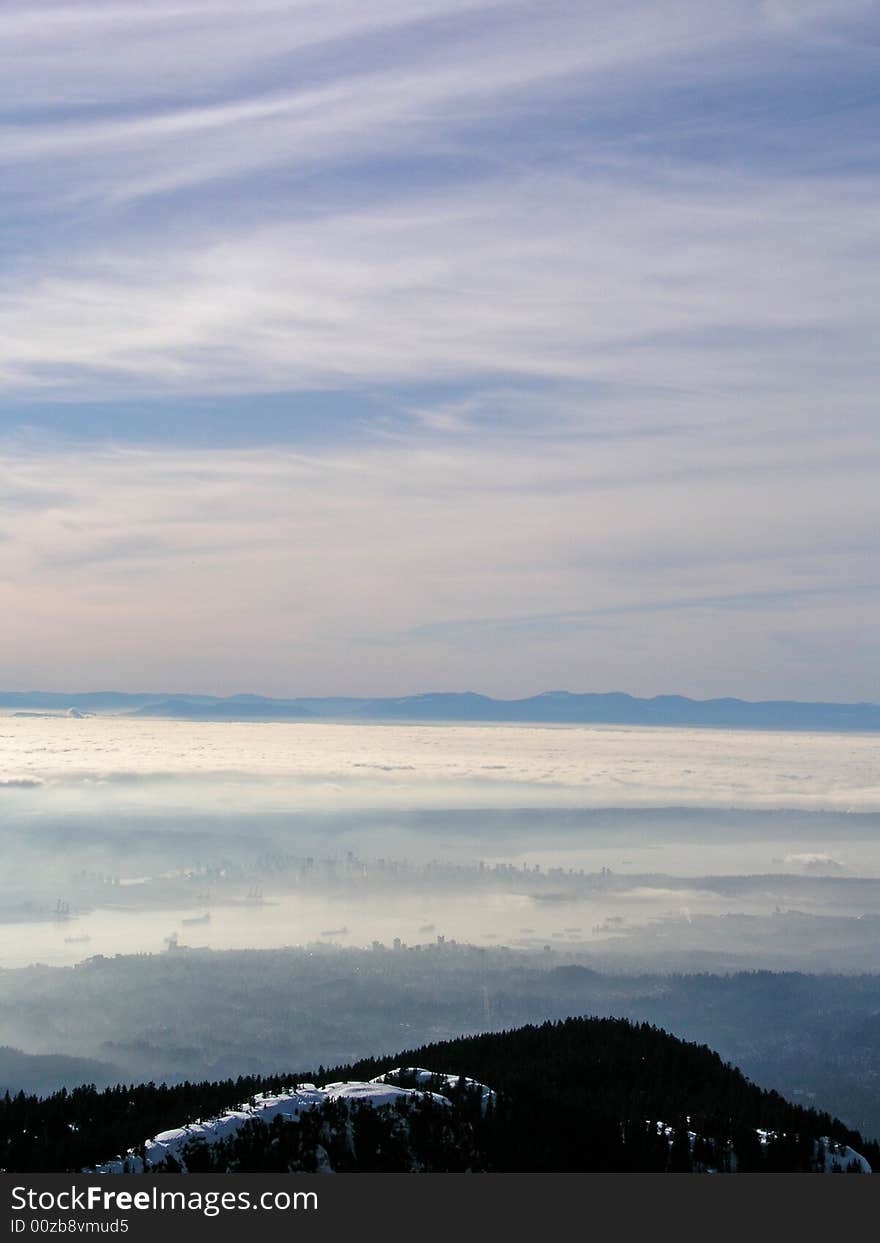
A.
x: 198, y: 919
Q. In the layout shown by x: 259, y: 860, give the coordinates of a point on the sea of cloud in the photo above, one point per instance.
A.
x: 371, y: 765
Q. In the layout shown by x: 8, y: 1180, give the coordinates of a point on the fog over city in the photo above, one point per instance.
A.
x: 454, y: 867
x: 121, y: 834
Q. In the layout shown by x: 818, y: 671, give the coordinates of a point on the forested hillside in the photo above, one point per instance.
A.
x: 581, y: 1094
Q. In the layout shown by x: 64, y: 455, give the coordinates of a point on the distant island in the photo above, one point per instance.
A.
x: 551, y: 707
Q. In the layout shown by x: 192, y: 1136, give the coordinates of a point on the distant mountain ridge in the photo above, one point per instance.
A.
x: 551, y: 707
x: 42, y: 1073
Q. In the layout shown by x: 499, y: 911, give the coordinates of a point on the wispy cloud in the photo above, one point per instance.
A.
x: 728, y: 287
x: 590, y: 289
x: 306, y: 195
x: 343, y: 570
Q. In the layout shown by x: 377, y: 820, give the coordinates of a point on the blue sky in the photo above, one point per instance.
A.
x: 437, y: 344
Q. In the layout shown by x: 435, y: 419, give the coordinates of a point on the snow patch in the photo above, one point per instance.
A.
x: 838, y: 1156
x: 290, y: 1104
x: 440, y: 1082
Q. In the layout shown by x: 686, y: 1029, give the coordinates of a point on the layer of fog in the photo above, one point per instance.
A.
x: 126, y: 836
x: 639, y: 883
x: 362, y: 766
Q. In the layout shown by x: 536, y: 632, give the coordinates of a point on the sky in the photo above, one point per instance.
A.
x: 410, y: 345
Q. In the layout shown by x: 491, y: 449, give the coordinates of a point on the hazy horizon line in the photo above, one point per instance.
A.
x: 428, y: 694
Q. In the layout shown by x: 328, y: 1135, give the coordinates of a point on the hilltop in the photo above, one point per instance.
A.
x: 582, y: 1094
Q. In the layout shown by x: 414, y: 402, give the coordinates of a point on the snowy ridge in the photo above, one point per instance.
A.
x: 402, y: 1086
x: 836, y: 1156
x: 839, y: 1156
x: 290, y: 1105
x: 439, y: 1082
